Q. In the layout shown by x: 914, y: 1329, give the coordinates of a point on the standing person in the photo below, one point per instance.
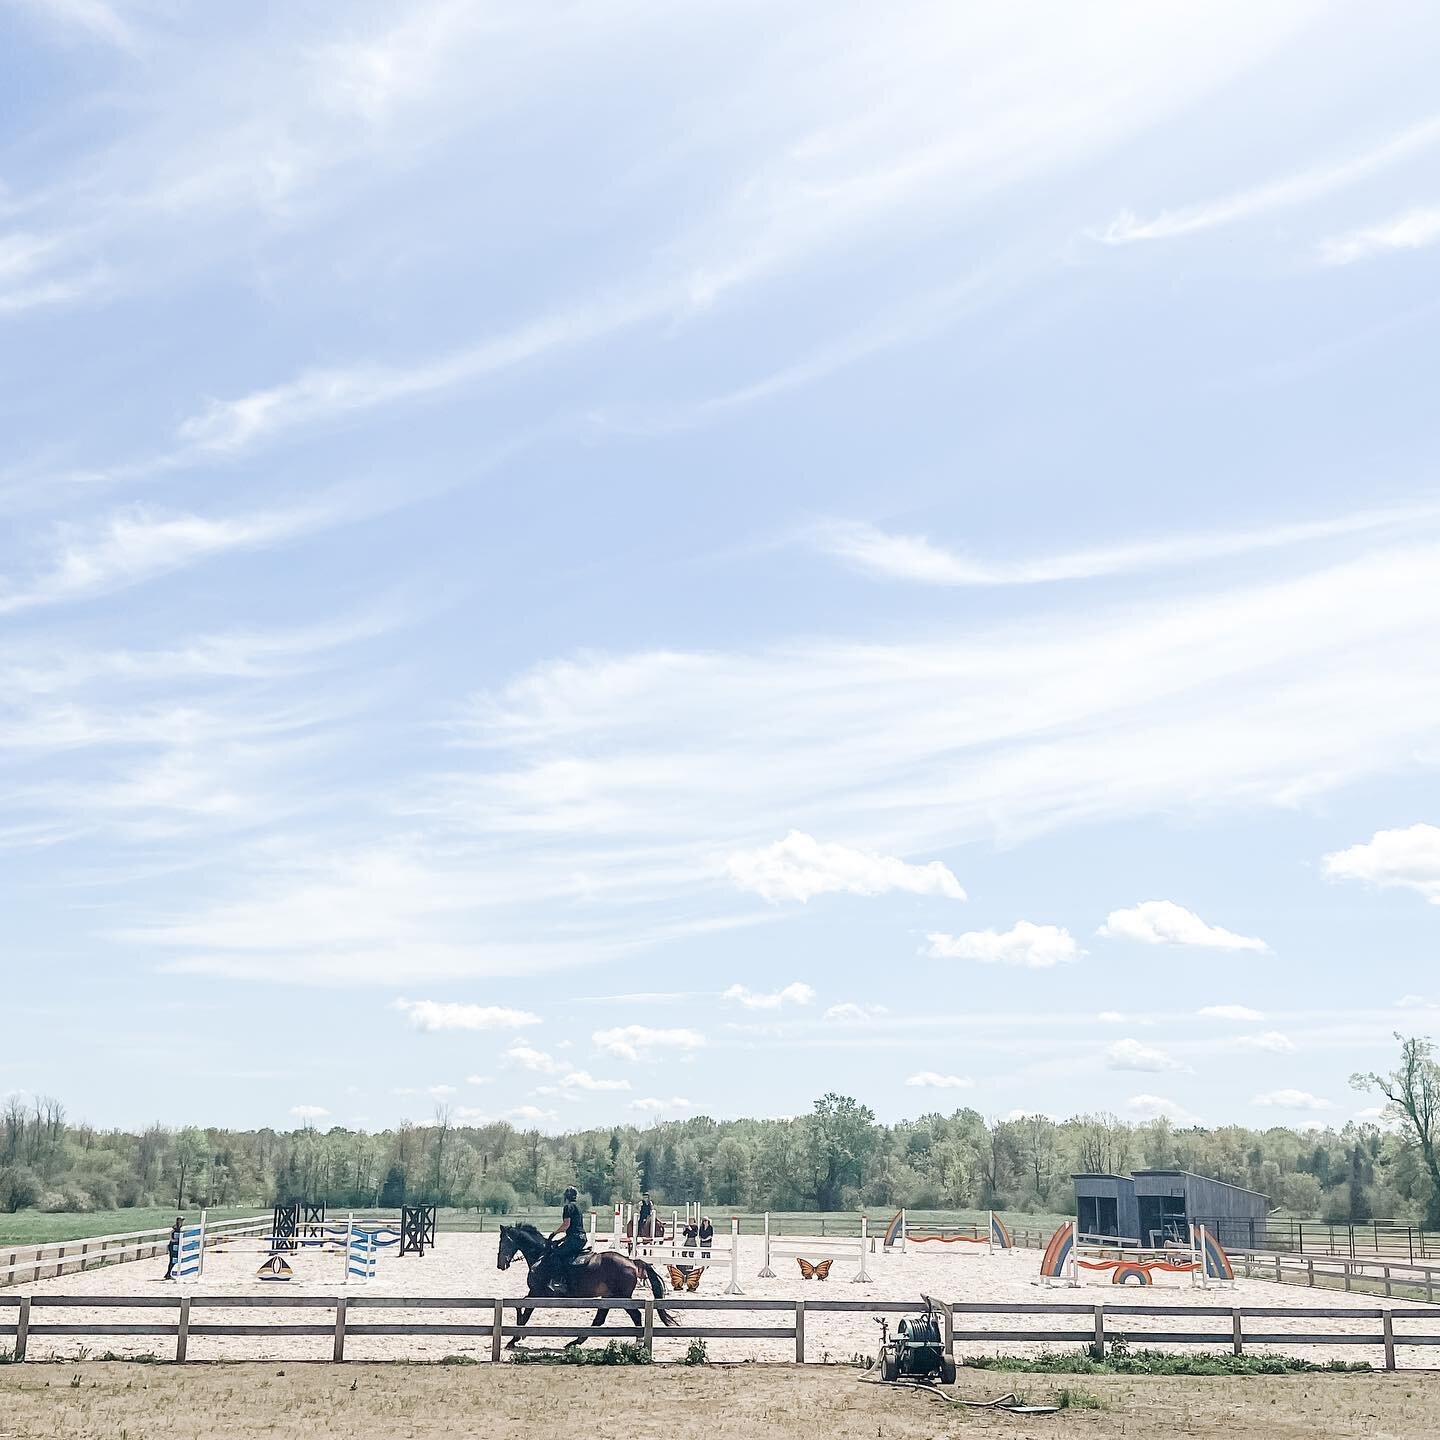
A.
x: 707, y: 1237
x: 566, y: 1242
x: 172, y: 1249
x: 645, y: 1220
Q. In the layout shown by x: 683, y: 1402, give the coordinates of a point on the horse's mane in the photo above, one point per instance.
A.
x: 528, y: 1230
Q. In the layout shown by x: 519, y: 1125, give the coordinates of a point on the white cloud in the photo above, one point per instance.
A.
x: 584, y: 1080
x: 1417, y: 1002
x: 1272, y: 1042
x: 531, y: 1115
x: 933, y: 1080
x: 918, y: 560
x: 796, y: 993
x: 1415, y: 230
x: 651, y: 1105
x: 1152, y: 1107
x: 139, y: 544
x: 469, y: 1115
x: 800, y: 867
x: 1111, y: 1017
x: 639, y: 1042
x: 1299, y: 189
x: 309, y: 1112
x: 479, y: 1079
x: 1031, y: 947
x: 526, y: 1057
x: 439, y: 1091
x: 1290, y: 1100
x: 1408, y: 858
x: 853, y: 1011
x: 1130, y: 1054
x: 1373, y: 1112
x: 93, y: 18
x: 1229, y: 1012
x: 1163, y: 922
x: 438, y: 1015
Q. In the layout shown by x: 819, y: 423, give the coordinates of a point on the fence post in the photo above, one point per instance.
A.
x: 1310, y: 1271
x: 22, y: 1328
x: 1347, y: 1265
x: 340, y: 1304
x: 1099, y: 1345
x: 648, y: 1340
x: 39, y: 1251
x: 182, y: 1331
x: 1385, y: 1271
x: 1277, y: 1268
x: 799, y: 1332
x: 1388, y: 1328
x: 949, y: 1320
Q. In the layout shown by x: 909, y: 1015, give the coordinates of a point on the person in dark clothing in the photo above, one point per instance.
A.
x: 687, y: 1235
x: 707, y: 1237
x: 565, y: 1244
x: 645, y: 1220
x: 172, y: 1249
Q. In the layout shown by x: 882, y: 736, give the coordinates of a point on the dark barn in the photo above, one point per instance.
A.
x: 1105, y: 1206
x: 1153, y: 1207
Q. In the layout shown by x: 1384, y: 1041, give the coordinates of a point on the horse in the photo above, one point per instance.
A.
x: 607, y: 1275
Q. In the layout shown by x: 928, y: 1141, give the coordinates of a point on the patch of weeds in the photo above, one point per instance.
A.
x: 1068, y: 1399
x: 695, y: 1353
x: 457, y: 1360
x: 147, y: 1358
x: 615, y: 1353
x: 7, y: 1357
x: 1159, y: 1362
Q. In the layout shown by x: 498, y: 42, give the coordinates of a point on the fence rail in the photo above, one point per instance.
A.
x: 1099, y: 1321
x: 19, y: 1263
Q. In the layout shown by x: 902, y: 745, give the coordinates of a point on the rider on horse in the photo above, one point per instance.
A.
x: 565, y: 1244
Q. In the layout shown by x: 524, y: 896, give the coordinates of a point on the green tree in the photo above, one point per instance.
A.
x: 191, y: 1151
x: 840, y: 1138
x: 1413, y: 1090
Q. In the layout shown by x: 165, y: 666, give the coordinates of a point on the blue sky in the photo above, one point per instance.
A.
x: 593, y: 562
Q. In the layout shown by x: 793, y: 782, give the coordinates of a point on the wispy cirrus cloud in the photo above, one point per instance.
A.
x: 1301, y: 188
x: 920, y: 560
x: 1414, y: 230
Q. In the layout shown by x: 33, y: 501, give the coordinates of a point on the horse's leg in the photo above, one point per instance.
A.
x: 522, y: 1317
x: 597, y: 1321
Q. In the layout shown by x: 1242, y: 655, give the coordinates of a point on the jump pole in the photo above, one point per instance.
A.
x: 733, y: 1288
x: 765, y: 1272
x: 862, y: 1276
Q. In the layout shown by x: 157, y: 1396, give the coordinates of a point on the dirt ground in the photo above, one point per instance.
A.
x: 779, y: 1402
x: 464, y: 1264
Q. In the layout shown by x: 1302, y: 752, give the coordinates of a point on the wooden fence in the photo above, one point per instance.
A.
x: 22, y: 1263
x: 22, y: 1318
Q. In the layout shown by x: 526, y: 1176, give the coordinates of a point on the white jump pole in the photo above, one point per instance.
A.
x: 349, y: 1243
x: 765, y: 1272
x: 862, y: 1277
x: 904, y: 1233
x: 733, y: 1288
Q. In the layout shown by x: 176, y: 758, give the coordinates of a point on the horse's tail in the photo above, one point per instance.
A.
x: 657, y: 1285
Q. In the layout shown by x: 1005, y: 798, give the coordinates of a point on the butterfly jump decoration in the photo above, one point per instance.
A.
x: 685, y: 1277
x: 820, y: 1271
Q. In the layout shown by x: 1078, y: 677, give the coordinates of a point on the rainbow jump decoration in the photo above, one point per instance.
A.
x: 899, y: 1236
x: 1203, y: 1261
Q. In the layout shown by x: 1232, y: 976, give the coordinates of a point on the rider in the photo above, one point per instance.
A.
x: 646, y: 1219
x: 565, y: 1244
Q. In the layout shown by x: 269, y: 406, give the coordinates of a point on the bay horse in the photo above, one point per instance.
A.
x: 605, y: 1275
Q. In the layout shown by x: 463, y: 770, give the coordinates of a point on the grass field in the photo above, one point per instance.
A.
x: 35, y: 1227
x: 365, y: 1402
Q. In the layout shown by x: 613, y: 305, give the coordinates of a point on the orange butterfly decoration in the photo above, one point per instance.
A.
x: 815, y: 1272
x: 685, y: 1277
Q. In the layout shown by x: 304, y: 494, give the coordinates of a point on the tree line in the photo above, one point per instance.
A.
x: 837, y: 1157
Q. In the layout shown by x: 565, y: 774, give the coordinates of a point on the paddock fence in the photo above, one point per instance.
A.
x: 23, y: 1318
x: 20, y: 1264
